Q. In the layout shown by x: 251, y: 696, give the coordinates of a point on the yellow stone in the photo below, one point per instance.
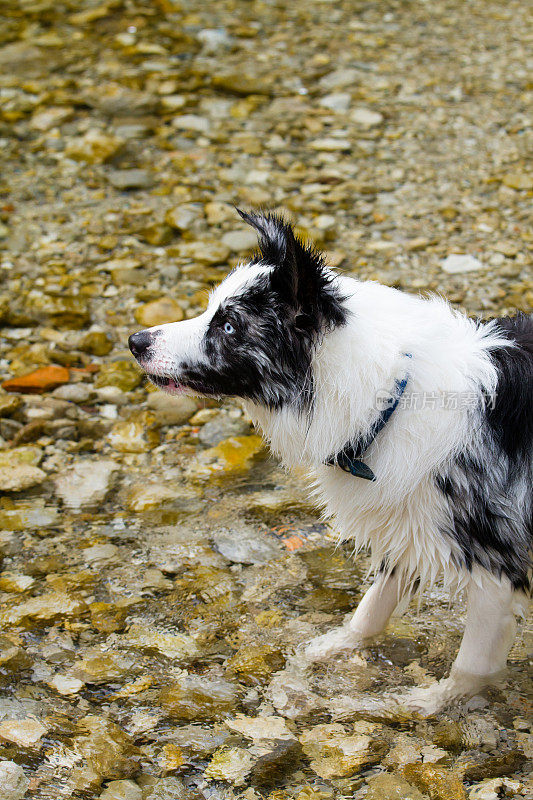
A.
x: 227, y: 459
x: 438, y: 782
x: 159, y: 312
x: 22, y: 732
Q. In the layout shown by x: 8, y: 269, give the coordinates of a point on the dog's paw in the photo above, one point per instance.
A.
x: 337, y: 641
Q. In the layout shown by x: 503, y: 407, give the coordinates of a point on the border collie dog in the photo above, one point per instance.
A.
x: 414, y: 423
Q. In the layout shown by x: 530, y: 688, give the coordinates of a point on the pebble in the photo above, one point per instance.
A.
x: 38, y: 381
x: 495, y: 788
x: 259, y: 728
x: 184, y: 216
x: 45, y: 608
x: 388, y: 786
x: 176, y: 646
x: 13, y: 782
x: 9, y: 404
x: 74, y: 393
x: 337, y: 101
x: 222, y: 427
x: 335, y: 754
x: 330, y: 144
x: 240, y: 241
x: 20, y: 476
x: 230, y: 764
x: 195, y: 698
x: 133, y: 435
x: 159, y: 312
x: 169, y: 788
x: 366, y: 118
x: 122, y: 790
x: 66, y: 685
x: 246, y: 545
x: 123, y: 179
x: 22, y: 732
x: 148, y: 496
x: 456, y: 264
x: 227, y: 459
x: 207, y: 252
x: 96, y: 343
x: 192, y: 122
x: 123, y: 374
x: 169, y: 410
x: 86, y: 483
x: 94, y: 147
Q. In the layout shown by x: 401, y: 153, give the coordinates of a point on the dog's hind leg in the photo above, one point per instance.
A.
x: 369, y: 619
x: 489, y: 633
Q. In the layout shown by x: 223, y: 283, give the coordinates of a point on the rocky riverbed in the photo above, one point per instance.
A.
x: 158, y: 566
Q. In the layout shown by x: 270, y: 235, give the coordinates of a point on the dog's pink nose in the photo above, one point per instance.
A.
x: 139, y: 343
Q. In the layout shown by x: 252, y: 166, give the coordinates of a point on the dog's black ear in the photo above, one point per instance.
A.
x: 299, y: 270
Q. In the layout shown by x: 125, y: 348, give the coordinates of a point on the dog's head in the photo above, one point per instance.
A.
x: 257, y: 336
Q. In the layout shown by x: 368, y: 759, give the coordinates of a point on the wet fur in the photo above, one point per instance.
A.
x: 309, y: 353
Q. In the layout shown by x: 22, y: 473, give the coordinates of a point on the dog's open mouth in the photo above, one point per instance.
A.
x: 166, y: 384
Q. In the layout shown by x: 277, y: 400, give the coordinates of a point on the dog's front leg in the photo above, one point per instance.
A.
x: 489, y: 633
x: 369, y: 619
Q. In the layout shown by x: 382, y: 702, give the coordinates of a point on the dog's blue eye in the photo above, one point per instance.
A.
x: 228, y: 328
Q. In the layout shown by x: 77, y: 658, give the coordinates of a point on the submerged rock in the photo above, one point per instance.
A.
x: 170, y: 788
x: 246, y: 545
x: 134, y: 435
x: 19, y: 477
x: 336, y: 754
x: 256, y: 663
x: 387, y: 786
x: 45, y: 608
x: 107, y: 749
x: 94, y: 147
x: 231, y: 764
x: 86, y: 483
x: 227, y: 459
x: 177, y: 646
x: 13, y: 782
x: 122, y: 790
x: 440, y: 783
x: 22, y: 732
x: 197, y: 698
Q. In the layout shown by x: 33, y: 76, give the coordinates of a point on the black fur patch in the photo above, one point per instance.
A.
x: 490, y: 487
x: 276, y: 321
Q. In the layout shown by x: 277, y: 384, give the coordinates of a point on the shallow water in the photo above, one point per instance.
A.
x: 159, y: 567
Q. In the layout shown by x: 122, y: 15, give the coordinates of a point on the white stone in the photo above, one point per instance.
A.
x: 100, y: 552
x: 338, y: 101
x: 13, y: 782
x: 74, y: 392
x: 213, y: 39
x: 456, y: 263
x: 331, y: 144
x: 192, y: 122
x: 122, y: 790
x: 239, y: 241
x: 22, y: 732
x: 494, y: 788
x: 86, y: 483
x: 258, y: 728
x: 366, y: 118
x: 65, y: 684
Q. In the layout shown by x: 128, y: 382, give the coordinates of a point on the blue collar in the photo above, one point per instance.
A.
x: 349, y: 458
